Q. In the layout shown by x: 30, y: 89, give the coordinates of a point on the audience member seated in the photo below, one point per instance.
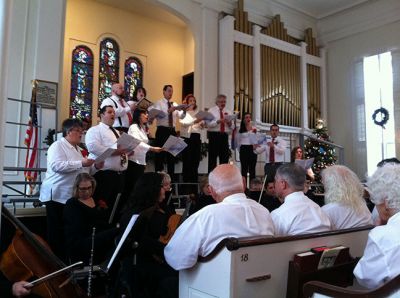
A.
x: 375, y: 215
x: 269, y: 199
x: 298, y: 214
x: 255, y: 188
x: 233, y: 216
x: 345, y: 205
x: 151, y: 268
x: 204, y: 198
x: 81, y: 214
x: 381, y: 260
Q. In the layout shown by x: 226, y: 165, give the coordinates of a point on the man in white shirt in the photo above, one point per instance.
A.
x: 234, y: 215
x: 110, y: 180
x: 381, y: 259
x: 298, y: 214
x: 123, y: 109
x: 274, y: 151
x: 218, y: 133
x: 165, y: 128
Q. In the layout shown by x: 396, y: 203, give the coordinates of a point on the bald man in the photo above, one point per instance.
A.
x: 123, y: 110
x: 234, y: 215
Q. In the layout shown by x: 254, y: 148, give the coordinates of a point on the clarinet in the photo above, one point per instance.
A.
x: 89, y: 288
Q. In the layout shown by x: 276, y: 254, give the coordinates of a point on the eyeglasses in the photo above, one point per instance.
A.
x: 85, y: 188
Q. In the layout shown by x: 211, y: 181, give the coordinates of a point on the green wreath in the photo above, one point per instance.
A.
x: 384, y: 118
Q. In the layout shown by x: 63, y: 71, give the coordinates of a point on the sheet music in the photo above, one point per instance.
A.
x: 230, y: 117
x: 257, y: 138
x: 122, y: 240
x: 203, y: 115
x: 126, y: 141
x: 106, y: 154
x: 305, y: 163
x: 174, y: 145
x: 181, y: 107
x: 156, y: 113
x: 143, y: 104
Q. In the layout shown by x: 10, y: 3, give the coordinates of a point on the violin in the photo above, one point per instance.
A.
x: 29, y: 256
x: 175, y: 220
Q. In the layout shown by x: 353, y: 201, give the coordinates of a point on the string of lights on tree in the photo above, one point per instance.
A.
x: 324, y: 155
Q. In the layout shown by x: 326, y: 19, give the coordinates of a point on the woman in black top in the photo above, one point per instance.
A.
x: 81, y: 214
x: 248, y: 159
x: 150, y: 269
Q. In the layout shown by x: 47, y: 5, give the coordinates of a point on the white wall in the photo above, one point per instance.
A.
x: 344, y: 82
x: 34, y: 52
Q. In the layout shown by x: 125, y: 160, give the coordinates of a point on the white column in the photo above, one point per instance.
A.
x: 303, y: 79
x: 226, y: 59
x: 256, y: 74
x: 324, y: 89
x: 209, y: 57
x: 5, y: 22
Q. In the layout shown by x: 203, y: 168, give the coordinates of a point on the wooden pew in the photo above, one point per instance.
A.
x: 388, y: 289
x: 258, y: 266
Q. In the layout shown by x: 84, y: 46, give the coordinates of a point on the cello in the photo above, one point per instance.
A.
x: 29, y: 256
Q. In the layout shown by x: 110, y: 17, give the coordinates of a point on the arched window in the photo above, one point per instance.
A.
x: 109, y: 67
x: 81, y: 83
x: 133, y: 76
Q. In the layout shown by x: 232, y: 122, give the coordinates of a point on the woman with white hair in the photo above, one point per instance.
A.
x: 381, y: 260
x: 344, y: 201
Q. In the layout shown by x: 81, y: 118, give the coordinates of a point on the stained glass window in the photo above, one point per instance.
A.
x: 81, y: 83
x: 109, y: 67
x: 133, y: 76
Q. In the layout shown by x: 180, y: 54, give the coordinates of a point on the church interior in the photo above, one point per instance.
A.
x: 305, y: 65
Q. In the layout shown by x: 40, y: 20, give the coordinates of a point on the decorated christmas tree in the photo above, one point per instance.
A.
x: 323, y: 154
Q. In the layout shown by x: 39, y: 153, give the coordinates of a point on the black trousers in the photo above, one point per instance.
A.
x: 161, y: 158
x: 191, y: 158
x: 248, y: 161
x: 133, y: 173
x: 218, y: 147
x: 55, y: 228
x: 109, y: 185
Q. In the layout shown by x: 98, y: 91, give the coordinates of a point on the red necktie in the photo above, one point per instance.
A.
x: 272, y: 152
x: 121, y: 101
x: 222, y: 123
x: 170, y: 118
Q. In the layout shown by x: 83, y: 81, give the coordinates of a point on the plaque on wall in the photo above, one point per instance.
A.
x: 46, y: 93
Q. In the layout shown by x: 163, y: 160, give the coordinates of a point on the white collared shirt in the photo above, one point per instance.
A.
x: 344, y: 217
x: 381, y: 259
x: 299, y: 215
x: 162, y: 105
x: 98, y: 139
x: 280, y: 147
x: 140, y: 151
x: 213, y: 125
x: 64, y: 163
x: 235, y: 216
x: 244, y: 138
x: 188, y: 126
x: 121, y: 113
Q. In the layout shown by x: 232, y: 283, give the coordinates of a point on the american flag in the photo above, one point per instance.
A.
x: 31, y: 141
